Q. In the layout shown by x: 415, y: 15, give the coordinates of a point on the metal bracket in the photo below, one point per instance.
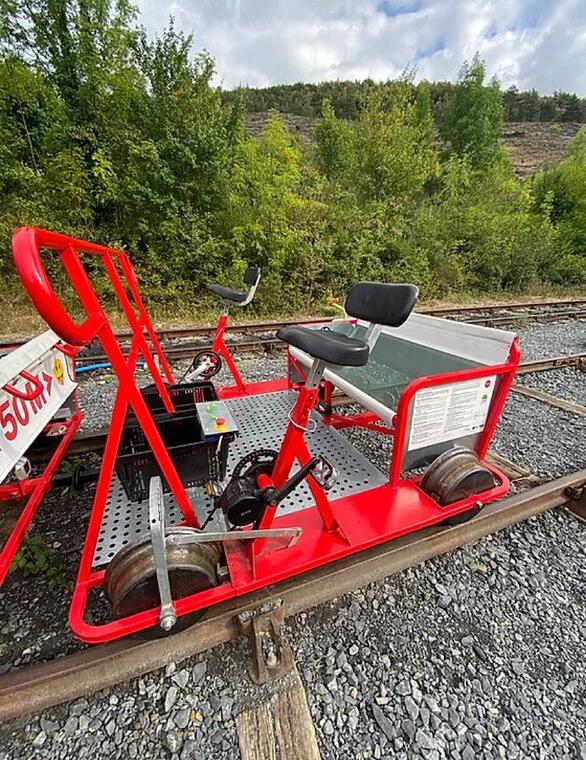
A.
x: 577, y: 497
x: 22, y: 469
x: 272, y: 656
x: 192, y: 536
x: 167, y: 616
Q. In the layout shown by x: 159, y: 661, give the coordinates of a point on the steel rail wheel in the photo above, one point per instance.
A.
x: 131, y: 579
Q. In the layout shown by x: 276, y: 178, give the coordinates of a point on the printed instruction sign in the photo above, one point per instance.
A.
x: 446, y: 412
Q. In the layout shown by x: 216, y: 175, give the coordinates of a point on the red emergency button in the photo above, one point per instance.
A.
x: 220, y: 421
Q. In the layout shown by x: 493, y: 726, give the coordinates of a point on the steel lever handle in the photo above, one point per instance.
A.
x: 31, y: 395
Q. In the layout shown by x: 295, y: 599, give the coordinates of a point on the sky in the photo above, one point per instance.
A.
x: 527, y: 43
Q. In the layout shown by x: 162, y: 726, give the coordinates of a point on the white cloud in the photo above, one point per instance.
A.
x: 530, y: 43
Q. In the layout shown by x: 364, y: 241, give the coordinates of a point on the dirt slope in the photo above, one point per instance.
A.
x: 531, y: 145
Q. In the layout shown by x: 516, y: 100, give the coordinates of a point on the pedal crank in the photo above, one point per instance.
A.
x: 244, y: 503
x: 205, y: 365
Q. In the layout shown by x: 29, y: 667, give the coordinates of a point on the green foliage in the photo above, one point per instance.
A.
x: 472, y: 117
x: 305, y: 99
x: 333, y: 137
x: 387, y: 152
x: 559, y: 193
x: 108, y: 135
x: 35, y: 558
x: 394, y: 156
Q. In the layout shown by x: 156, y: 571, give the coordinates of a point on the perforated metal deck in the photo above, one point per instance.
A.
x: 262, y: 421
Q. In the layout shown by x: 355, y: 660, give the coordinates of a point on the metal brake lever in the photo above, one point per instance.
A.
x: 167, y: 616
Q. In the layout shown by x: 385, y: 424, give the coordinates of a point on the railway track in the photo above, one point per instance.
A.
x: 85, y: 442
x: 47, y: 684
x: 500, y: 314
x: 186, y: 351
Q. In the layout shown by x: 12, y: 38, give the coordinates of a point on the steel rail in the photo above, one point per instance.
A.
x: 88, y: 441
x: 47, y: 684
x: 171, y: 333
x: 554, y: 362
x: 509, y: 319
x: 547, y: 398
x: 260, y: 344
x: 187, y: 350
x: 495, y: 307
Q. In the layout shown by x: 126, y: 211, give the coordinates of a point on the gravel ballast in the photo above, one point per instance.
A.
x: 476, y: 654
x: 567, y: 383
x: 479, y: 654
x: 546, y: 440
x: 539, y: 341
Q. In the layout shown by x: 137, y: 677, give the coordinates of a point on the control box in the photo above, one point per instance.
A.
x: 215, y: 418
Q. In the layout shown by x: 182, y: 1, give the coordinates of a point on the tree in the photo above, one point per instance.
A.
x: 333, y: 139
x: 472, y: 118
x: 560, y: 191
x: 265, y: 177
x: 393, y: 152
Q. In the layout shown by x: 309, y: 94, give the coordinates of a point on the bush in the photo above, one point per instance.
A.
x: 111, y: 137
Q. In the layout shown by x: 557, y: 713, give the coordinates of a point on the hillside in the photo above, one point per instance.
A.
x: 531, y: 145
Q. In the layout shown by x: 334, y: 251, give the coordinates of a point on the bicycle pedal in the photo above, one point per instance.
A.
x: 214, y: 489
x: 325, y: 473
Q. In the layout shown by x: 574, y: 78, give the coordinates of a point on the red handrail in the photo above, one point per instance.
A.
x: 26, y: 244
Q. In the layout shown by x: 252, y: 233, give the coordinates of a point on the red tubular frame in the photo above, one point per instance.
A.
x: 333, y: 529
x: 35, y: 392
x: 27, y: 243
x: 240, y: 388
x: 221, y: 348
x: 507, y: 375
x: 35, y: 489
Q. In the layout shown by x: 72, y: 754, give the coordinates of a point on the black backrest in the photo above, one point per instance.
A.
x: 251, y: 275
x: 382, y: 303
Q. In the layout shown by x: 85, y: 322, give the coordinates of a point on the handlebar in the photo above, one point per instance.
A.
x: 26, y: 245
x: 29, y: 395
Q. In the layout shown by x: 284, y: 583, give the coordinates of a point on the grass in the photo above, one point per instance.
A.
x: 20, y: 319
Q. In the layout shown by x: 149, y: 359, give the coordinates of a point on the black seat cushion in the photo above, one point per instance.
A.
x: 228, y: 294
x: 331, y: 347
x: 382, y: 303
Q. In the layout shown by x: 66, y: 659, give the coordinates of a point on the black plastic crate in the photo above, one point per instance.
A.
x: 196, y: 458
x: 184, y: 396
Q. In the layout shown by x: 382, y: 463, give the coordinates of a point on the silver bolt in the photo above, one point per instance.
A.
x: 167, y: 622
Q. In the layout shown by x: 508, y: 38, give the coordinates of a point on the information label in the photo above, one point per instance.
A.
x: 447, y: 412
